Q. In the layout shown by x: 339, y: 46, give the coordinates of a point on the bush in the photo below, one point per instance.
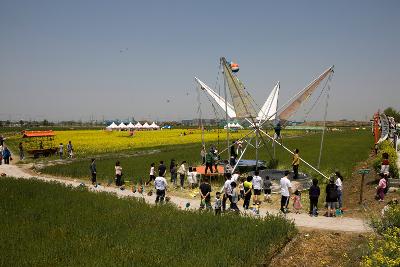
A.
x: 387, y: 147
x: 384, y: 250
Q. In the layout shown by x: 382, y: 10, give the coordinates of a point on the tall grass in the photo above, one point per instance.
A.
x: 46, y: 224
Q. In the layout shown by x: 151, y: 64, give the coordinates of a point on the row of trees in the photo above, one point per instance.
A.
x: 391, y: 112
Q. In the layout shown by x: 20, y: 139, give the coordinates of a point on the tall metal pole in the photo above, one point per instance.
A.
x: 256, y: 149
x: 226, y: 118
x: 323, y: 130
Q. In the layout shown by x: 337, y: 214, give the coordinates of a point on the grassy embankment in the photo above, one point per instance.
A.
x: 46, y: 224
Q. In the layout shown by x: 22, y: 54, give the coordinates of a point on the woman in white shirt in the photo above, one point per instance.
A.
x: 339, y: 184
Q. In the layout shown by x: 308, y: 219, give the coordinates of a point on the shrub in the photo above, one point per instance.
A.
x: 387, y: 147
x: 384, y: 249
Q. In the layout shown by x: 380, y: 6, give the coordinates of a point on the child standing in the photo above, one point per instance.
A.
x: 218, y: 203
x: 297, y: 201
x: 235, y: 197
x: 381, y: 188
x: 267, y: 189
x: 314, y: 193
x: 241, y: 188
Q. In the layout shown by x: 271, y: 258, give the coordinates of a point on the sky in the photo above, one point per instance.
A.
x: 77, y: 60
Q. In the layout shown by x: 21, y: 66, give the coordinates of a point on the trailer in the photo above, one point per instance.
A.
x: 39, y: 143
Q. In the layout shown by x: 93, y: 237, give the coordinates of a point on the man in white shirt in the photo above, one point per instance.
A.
x: 227, y: 190
x: 161, y: 185
x: 286, y: 187
x: 257, y: 186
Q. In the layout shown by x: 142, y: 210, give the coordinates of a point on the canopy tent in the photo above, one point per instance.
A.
x: 130, y: 125
x: 112, y: 126
x: 138, y: 125
x: 146, y: 126
x: 234, y: 126
x: 154, y: 125
x: 122, y: 126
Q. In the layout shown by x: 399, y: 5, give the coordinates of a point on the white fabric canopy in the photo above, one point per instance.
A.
x: 138, y: 125
x: 146, y: 125
x: 122, y: 126
x: 154, y: 126
x: 130, y: 125
x: 112, y: 126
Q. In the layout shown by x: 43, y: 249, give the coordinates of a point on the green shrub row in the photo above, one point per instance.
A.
x: 387, y: 147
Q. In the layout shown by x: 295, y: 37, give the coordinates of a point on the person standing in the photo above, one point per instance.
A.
x: 331, y: 197
x: 1, y: 140
x: 227, y: 191
x: 247, y: 192
x: 234, y: 197
x: 21, y: 151
x: 267, y: 184
x: 6, y: 155
x: 1, y: 154
x: 171, y: 164
x: 172, y: 170
x: 118, y: 174
x: 286, y: 186
x: 182, y: 173
x: 160, y: 185
x: 205, y: 194
x: 257, y: 186
x: 209, y: 162
x: 151, y: 175
x: 93, y: 171
x: 61, y: 150
x: 296, y: 163
x: 339, y: 184
x: 203, y: 154
x: 70, y: 150
x: 218, y: 203
x: 380, y: 192
x: 314, y: 193
x: 277, y: 130
x: 162, y: 169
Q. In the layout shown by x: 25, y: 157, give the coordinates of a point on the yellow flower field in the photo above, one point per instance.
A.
x: 89, y: 142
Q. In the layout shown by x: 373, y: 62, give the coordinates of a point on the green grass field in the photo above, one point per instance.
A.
x: 342, y: 150
x: 48, y: 224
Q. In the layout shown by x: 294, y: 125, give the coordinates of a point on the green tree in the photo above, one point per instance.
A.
x: 391, y: 112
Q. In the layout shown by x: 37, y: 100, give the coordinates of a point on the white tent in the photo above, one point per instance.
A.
x: 146, y: 126
x: 234, y: 126
x: 122, y: 126
x: 130, y: 125
x: 154, y: 125
x: 138, y: 125
x: 237, y: 125
x: 112, y: 126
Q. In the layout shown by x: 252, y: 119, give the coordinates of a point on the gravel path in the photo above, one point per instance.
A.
x: 303, y: 220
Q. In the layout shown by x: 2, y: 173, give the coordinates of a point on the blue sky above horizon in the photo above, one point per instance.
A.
x: 62, y: 60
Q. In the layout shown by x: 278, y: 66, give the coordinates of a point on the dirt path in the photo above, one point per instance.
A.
x: 341, y: 224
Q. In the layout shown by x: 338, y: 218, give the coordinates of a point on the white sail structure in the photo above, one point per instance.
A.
x: 302, y: 96
x: 268, y: 110
x: 218, y: 99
